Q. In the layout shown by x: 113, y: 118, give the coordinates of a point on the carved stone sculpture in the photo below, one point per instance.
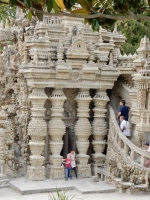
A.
x: 56, y: 78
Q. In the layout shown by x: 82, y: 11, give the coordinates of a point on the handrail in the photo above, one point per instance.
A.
x: 125, y: 140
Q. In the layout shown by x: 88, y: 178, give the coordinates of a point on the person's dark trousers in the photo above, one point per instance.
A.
x: 75, y: 171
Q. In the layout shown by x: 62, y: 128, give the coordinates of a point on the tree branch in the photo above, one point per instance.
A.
x: 97, y: 15
x: 21, y: 3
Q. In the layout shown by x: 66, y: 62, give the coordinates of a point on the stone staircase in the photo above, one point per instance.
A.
x: 124, y: 166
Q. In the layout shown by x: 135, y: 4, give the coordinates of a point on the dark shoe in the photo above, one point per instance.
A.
x: 66, y: 179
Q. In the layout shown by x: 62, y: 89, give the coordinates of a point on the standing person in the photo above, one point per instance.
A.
x: 67, y: 163
x: 123, y: 110
x: 125, y: 127
x: 73, y: 162
x: 147, y: 147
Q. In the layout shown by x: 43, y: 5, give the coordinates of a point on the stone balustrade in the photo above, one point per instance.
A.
x: 128, y: 148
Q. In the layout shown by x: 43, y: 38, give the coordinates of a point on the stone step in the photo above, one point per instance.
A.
x: 83, y: 185
x: 4, y: 183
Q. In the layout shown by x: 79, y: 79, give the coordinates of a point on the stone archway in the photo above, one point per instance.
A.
x: 69, y: 118
x: 67, y: 140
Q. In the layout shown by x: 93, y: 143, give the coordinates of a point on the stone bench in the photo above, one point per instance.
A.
x: 101, y: 173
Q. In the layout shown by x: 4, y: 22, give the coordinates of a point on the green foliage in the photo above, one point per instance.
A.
x: 95, y: 24
x: 49, y: 4
x: 133, y: 31
x: 7, y: 12
x: 60, y: 196
x: 109, y: 7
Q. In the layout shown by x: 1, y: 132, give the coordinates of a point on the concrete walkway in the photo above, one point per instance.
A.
x: 9, y: 194
x: 81, y: 189
x: 82, y: 185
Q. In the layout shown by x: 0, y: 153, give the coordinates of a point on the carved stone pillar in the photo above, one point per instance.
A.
x: 141, y: 97
x: 37, y: 131
x: 56, y: 129
x: 99, y: 127
x: 3, y: 141
x: 83, y: 131
x: 2, y: 150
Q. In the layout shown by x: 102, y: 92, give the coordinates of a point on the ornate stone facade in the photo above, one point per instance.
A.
x: 56, y: 79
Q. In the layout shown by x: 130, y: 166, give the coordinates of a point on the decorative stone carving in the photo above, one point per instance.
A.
x: 141, y: 97
x: 99, y: 127
x: 2, y: 150
x: 65, y: 55
x: 56, y: 130
x: 125, y: 167
x: 37, y: 131
x: 83, y: 131
x: 78, y: 48
x: 102, y: 50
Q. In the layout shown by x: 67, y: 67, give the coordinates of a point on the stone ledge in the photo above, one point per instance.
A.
x: 4, y: 183
x: 4, y: 186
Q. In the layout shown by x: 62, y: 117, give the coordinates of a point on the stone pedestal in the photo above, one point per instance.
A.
x: 83, y: 131
x: 37, y: 130
x: 54, y: 172
x: 84, y: 170
x: 56, y: 130
x: 99, y: 127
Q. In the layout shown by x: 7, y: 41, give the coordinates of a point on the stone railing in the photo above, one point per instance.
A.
x: 130, y: 151
x: 126, y: 61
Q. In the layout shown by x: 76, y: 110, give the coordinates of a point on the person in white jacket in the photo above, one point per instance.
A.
x: 125, y: 127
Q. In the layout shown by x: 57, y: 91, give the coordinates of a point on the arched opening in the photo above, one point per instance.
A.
x: 9, y: 95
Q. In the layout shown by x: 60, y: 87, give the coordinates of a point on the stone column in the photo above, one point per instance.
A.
x: 37, y: 130
x: 99, y: 127
x: 2, y: 150
x: 83, y: 131
x: 141, y: 98
x: 56, y: 129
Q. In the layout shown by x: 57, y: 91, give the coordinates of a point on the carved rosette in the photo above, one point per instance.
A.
x: 99, y: 127
x: 37, y: 131
x: 56, y: 130
x: 83, y: 131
